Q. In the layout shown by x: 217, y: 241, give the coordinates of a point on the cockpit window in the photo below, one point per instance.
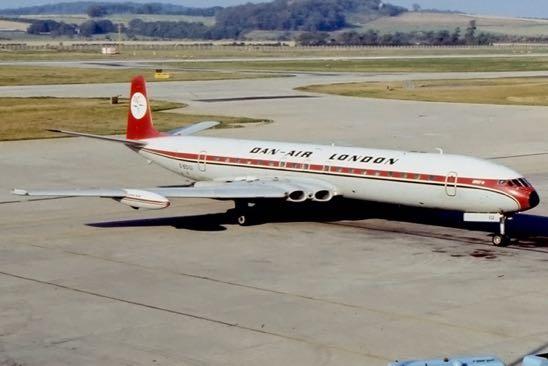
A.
x: 518, y: 183
x: 521, y: 182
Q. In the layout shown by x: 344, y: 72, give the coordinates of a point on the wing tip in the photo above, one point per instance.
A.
x: 20, y: 192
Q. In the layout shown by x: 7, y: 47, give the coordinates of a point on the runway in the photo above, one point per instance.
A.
x: 91, y: 281
x: 139, y: 62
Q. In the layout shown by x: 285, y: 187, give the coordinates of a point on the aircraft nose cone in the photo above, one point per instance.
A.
x: 534, y: 199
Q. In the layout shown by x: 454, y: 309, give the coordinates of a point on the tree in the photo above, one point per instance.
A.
x: 485, y: 39
x: 91, y: 27
x: 64, y: 29
x: 470, y: 35
x: 52, y: 27
x: 43, y: 26
x: 312, y: 39
x: 416, y: 7
x: 455, y: 36
x: 87, y: 29
x: 104, y: 26
x: 443, y: 38
x: 371, y: 37
x: 96, y: 11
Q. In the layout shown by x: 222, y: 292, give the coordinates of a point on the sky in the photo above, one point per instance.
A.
x: 520, y: 8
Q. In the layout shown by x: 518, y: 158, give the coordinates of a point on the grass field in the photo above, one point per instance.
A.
x: 425, y: 21
x: 29, y: 118
x: 463, y: 64
x: 12, y: 25
x: 17, y: 75
x: 514, y: 91
x: 30, y: 75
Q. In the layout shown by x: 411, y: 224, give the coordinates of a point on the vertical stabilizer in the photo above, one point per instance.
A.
x: 139, y: 121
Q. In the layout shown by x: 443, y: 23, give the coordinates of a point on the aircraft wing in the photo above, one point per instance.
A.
x: 293, y: 190
x: 230, y: 191
x: 92, y: 192
x: 224, y: 190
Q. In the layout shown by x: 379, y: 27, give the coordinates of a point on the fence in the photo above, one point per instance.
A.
x: 170, y: 45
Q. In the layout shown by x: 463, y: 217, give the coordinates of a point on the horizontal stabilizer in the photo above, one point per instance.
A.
x: 192, y: 129
x: 133, y: 143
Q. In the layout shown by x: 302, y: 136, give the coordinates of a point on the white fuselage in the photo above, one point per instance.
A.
x: 450, y: 182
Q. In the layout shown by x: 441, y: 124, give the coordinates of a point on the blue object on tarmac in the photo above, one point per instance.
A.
x: 538, y: 360
x: 457, y: 361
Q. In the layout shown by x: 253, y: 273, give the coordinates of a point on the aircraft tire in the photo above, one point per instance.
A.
x: 242, y: 219
x: 501, y: 240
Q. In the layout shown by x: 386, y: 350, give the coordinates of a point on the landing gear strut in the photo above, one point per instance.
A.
x: 502, y: 239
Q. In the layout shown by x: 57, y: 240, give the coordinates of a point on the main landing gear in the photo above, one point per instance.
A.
x: 501, y: 239
x: 245, y: 213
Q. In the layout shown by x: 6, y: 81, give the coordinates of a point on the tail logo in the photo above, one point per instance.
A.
x: 139, y: 105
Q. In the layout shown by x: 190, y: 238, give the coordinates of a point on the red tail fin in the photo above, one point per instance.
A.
x: 139, y: 121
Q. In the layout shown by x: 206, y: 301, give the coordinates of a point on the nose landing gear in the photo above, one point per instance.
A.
x: 501, y: 239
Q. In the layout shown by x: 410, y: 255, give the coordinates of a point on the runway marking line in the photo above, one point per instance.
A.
x: 194, y: 316
x: 393, y: 315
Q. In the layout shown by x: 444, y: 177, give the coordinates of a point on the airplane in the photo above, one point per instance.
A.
x: 250, y: 171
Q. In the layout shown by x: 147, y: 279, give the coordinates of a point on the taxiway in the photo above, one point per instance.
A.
x: 91, y: 281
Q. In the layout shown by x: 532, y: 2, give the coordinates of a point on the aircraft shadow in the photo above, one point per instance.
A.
x: 209, y: 222
x: 531, y: 230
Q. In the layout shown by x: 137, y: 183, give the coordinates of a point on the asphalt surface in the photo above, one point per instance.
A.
x: 88, y: 281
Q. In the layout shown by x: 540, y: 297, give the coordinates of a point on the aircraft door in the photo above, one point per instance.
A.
x: 202, y: 159
x: 451, y: 180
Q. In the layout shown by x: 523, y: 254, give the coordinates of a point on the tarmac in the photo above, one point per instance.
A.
x: 89, y: 281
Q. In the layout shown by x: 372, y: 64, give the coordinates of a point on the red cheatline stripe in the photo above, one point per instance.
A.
x: 406, y: 177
